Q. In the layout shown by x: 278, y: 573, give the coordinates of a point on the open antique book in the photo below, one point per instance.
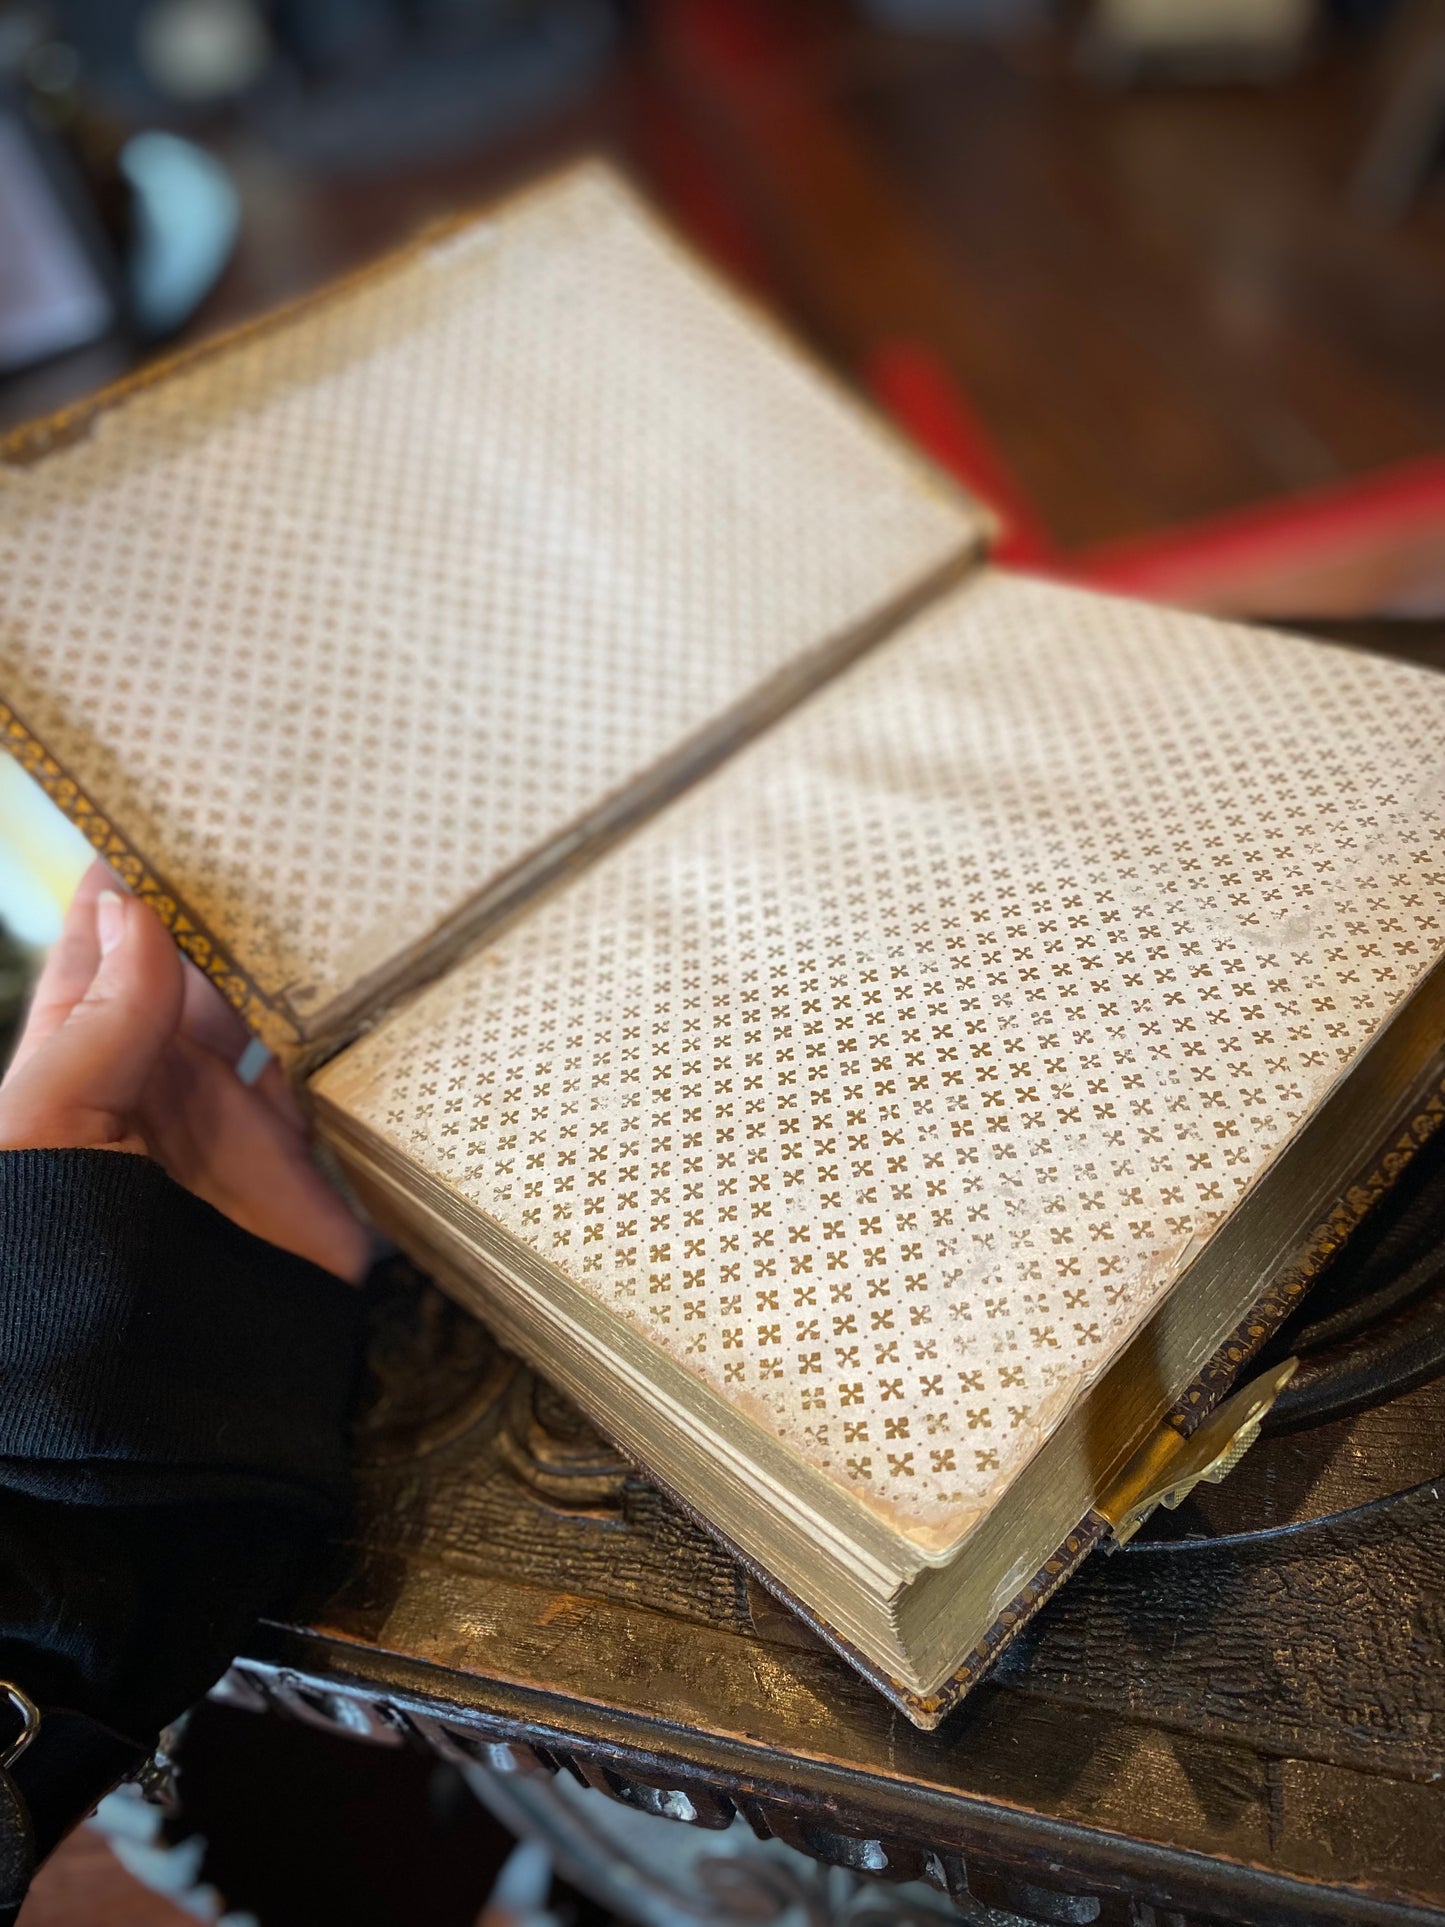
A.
x: 890, y: 1037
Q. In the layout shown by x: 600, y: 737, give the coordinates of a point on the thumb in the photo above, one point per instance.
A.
x: 83, y: 1086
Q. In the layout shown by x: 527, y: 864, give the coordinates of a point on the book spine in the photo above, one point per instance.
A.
x: 143, y: 880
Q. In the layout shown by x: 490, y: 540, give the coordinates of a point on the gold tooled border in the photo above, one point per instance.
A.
x: 1216, y: 1379
x: 30, y: 442
x: 929, y: 1710
x: 146, y: 882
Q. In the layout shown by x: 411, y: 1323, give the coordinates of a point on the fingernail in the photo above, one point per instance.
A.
x: 109, y: 920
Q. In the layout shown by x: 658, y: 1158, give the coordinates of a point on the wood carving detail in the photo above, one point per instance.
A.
x: 554, y: 1450
x: 437, y: 1375
x: 471, y: 1458
x: 828, y: 1875
x: 467, y: 1451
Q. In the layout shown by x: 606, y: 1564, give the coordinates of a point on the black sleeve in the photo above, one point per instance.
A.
x: 173, y: 1402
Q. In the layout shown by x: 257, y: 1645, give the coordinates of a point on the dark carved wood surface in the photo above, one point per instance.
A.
x: 1248, y: 1724
x: 1325, y: 1643
x: 1275, y: 1705
x: 489, y: 1485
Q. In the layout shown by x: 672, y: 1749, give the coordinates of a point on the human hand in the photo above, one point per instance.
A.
x: 128, y: 1048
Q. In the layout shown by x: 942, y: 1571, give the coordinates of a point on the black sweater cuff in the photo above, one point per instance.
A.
x: 139, y: 1328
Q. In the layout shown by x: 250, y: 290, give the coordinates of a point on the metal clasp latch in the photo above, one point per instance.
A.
x: 1169, y: 1467
x: 29, y: 1723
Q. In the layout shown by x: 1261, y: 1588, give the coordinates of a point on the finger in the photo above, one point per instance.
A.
x: 83, y: 1085
x: 270, y: 1084
x: 72, y: 962
x: 221, y: 1141
x: 208, y: 1020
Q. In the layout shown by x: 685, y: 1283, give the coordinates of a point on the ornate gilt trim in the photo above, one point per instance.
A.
x: 929, y: 1710
x: 144, y: 881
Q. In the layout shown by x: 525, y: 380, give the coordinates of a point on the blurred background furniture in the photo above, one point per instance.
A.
x: 1407, y: 145
x: 1154, y: 315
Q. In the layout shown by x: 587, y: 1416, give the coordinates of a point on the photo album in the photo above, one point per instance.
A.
x: 891, y: 1037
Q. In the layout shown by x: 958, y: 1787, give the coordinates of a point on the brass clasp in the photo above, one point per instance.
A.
x: 1169, y: 1467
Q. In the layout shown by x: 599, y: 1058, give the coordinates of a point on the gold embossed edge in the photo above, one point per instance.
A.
x: 928, y: 1710
x: 1216, y: 1379
x: 30, y: 442
x: 144, y: 881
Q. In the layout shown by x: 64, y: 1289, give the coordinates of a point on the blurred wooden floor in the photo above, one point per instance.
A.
x: 1159, y: 303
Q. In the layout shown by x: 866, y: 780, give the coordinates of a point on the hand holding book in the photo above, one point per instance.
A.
x: 128, y: 1048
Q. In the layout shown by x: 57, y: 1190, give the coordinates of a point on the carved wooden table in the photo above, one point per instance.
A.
x: 1244, y: 1727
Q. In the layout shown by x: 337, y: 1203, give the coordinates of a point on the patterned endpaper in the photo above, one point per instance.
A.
x: 884, y: 1080
x: 335, y: 625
